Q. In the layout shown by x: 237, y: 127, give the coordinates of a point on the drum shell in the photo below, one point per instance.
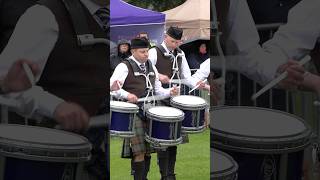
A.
x: 250, y: 165
x: 252, y: 152
x: 192, y: 111
x: 122, y: 119
x: 164, y: 131
x: 225, y: 174
x: 260, y: 145
x: 40, y: 153
x: 17, y: 169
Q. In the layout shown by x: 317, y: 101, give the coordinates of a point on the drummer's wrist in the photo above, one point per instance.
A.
x: 3, y: 87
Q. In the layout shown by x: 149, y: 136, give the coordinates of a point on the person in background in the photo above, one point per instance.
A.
x: 198, y: 57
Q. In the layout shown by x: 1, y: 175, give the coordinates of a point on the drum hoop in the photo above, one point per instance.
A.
x: 124, y: 110
x: 188, y: 107
x: 166, y: 143
x: 123, y: 134
x: 193, y: 130
x: 232, y: 171
x: 260, y: 151
x: 169, y: 119
x: 284, y: 142
x: 41, y: 151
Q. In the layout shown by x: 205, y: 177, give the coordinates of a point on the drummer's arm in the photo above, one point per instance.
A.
x: 159, y: 90
x: 120, y: 74
x: 186, y: 73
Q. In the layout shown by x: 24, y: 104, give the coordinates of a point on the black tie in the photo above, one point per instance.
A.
x: 103, y: 18
x: 143, y: 68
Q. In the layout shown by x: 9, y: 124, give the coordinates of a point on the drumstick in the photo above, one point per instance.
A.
x: 29, y: 73
x: 119, y: 84
x: 151, y: 98
x: 197, y: 86
x: 278, y: 79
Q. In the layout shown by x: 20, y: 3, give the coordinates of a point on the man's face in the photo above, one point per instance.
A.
x: 124, y: 48
x: 102, y: 2
x: 203, y: 49
x: 140, y: 54
x: 171, y: 43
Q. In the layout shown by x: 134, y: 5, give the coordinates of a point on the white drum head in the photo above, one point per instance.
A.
x: 166, y: 112
x: 258, y: 130
x: 256, y: 122
x: 126, y: 107
x: 188, y: 102
x: 30, y: 140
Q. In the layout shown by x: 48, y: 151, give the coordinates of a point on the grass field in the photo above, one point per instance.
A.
x: 193, y: 161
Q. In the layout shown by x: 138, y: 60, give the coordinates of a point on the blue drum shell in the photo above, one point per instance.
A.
x: 120, y: 121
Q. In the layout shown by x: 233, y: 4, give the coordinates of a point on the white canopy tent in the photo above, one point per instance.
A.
x: 193, y: 17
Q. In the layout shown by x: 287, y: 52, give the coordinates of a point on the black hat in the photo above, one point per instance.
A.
x: 175, y: 32
x: 123, y: 41
x: 137, y: 43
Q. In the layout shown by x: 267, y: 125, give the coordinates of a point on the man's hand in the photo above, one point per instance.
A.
x: 201, y: 85
x: 17, y: 79
x: 115, y: 86
x: 295, y: 75
x: 164, y: 79
x: 174, y: 91
x: 132, y: 98
x: 71, y: 117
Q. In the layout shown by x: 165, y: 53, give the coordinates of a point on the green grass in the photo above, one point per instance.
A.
x: 193, y: 160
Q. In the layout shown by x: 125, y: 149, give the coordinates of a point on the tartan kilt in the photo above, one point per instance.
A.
x: 137, y: 144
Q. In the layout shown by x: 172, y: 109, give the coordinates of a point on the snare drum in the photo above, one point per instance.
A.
x: 267, y: 144
x: 223, y: 167
x: 194, y: 110
x: 29, y: 152
x: 122, y: 119
x: 164, y: 126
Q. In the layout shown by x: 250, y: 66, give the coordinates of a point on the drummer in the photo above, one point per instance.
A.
x: 157, y: 56
x: 133, y: 73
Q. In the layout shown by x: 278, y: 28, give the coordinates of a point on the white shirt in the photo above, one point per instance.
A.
x: 34, y: 38
x: 203, y: 72
x: 121, y: 72
x: 293, y: 40
x: 185, y: 70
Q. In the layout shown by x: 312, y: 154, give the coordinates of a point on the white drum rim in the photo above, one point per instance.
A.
x: 191, y: 107
x: 261, y: 145
x: 160, y: 118
x: 45, y: 151
x: 115, y: 106
x: 230, y: 172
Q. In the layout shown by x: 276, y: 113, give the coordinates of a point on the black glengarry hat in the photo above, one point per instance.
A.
x: 137, y: 43
x: 175, y: 32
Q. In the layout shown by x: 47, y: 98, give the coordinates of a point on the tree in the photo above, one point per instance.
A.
x: 156, y: 5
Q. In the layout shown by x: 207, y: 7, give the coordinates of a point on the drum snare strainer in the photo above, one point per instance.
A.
x: 164, y: 128
x: 194, y: 109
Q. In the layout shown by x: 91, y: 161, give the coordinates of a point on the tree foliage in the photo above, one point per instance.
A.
x: 156, y: 5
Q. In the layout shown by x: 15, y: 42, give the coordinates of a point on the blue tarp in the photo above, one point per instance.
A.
x: 123, y: 13
x: 126, y: 21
